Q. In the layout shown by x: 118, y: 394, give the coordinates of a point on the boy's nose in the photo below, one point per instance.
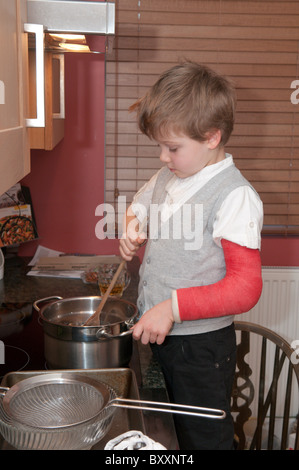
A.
x: 164, y: 156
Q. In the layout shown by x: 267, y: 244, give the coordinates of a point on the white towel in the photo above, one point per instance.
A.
x: 133, y: 440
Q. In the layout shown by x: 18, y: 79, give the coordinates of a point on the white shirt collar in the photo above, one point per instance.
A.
x: 178, y: 187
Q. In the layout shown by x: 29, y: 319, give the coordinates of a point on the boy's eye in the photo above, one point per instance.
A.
x: 172, y: 149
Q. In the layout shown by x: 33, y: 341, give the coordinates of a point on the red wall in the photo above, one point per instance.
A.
x: 67, y: 183
x: 280, y: 251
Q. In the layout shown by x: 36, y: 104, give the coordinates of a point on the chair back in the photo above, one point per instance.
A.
x: 263, y: 401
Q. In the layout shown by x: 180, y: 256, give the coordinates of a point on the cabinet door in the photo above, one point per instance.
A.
x: 53, y: 132
x: 14, y: 139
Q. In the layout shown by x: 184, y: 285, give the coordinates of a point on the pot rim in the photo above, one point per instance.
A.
x: 69, y: 299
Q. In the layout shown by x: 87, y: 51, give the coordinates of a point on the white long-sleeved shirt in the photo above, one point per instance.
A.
x: 239, y: 219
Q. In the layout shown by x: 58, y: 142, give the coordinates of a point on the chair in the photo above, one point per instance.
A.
x: 268, y: 385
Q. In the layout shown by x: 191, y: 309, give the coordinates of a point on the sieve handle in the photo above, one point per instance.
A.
x: 168, y: 408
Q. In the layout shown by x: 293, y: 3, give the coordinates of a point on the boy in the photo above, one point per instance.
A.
x: 189, y: 292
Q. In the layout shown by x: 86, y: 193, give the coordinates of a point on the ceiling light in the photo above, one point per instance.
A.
x: 74, y: 47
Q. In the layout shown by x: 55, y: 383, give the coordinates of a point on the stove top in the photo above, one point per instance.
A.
x: 21, y: 338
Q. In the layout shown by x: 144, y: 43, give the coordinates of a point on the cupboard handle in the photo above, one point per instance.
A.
x: 38, y: 30
x: 61, y: 114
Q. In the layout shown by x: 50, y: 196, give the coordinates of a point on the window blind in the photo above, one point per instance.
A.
x: 254, y: 43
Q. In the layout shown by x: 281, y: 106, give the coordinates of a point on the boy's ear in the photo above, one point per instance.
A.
x: 214, y: 138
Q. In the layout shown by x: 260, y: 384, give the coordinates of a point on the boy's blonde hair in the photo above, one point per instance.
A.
x: 188, y: 98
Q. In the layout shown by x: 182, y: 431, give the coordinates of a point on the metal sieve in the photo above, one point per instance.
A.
x: 57, y: 401
x: 67, y: 411
x: 54, y: 401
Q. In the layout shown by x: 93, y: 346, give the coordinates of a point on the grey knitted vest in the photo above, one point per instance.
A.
x: 181, y: 252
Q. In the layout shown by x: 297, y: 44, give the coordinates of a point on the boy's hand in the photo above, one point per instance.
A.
x: 128, y: 246
x: 155, y: 324
x: 131, y: 240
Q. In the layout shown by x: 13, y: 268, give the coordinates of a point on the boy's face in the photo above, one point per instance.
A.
x: 185, y: 156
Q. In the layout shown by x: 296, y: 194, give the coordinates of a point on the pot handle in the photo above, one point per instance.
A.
x: 102, y: 333
x: 3, y: 391
x: 35, y: 304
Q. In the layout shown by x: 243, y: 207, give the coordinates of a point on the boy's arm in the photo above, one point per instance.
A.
x: 236, y: 293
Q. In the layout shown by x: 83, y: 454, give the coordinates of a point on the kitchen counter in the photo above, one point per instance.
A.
x: 16, y: 286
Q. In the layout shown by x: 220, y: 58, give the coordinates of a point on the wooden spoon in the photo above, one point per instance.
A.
x: 94, y: 320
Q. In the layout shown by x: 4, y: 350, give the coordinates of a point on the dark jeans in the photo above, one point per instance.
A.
x: 199, y: 370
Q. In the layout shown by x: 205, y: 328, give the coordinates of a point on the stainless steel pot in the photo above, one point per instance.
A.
x: 70, y: 345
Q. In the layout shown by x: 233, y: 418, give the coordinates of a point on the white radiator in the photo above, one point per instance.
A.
x: 278, y: 310
x: 278, y: 307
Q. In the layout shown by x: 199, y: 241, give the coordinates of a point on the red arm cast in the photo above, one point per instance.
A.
x: 236, y: 293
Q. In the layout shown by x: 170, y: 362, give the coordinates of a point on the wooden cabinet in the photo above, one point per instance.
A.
x: 14, y: 139
x: 18, y: 95
x: 49, y: 136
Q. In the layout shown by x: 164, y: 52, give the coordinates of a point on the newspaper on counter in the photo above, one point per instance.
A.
x: 51, y: 263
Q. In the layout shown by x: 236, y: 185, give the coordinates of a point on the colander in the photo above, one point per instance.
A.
x: 55, y: 412
x: 58, y: 411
